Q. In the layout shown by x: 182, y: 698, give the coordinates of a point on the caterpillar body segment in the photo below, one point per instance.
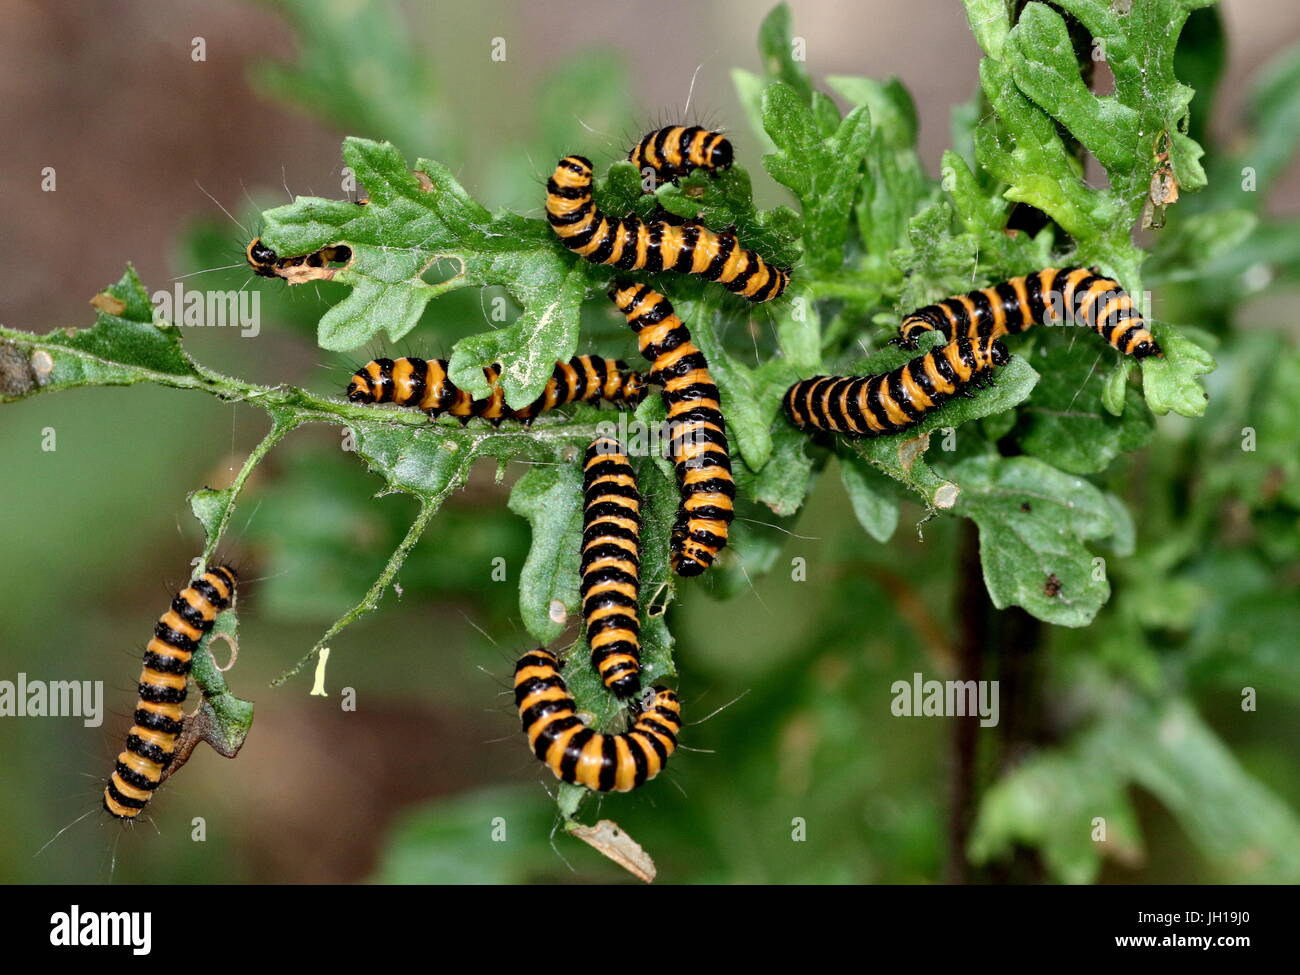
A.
x: 698, y: 444
x: 1067, y: 295
x: 576, y: 754
x: 151, y: 742
x: 424, y: 384
x: 632, y: 244
x: 611, y: 565
x: 890, y: 402
x: 672, y: 152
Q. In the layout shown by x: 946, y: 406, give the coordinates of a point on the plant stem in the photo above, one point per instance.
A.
x: 371, y: 599
x: 281, y: 424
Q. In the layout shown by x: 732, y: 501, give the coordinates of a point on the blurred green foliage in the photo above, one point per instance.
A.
x: 1062, y: 465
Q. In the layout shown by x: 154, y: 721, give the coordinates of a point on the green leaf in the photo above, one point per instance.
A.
x: 1065, y: 422
x: 776, y: 46
x: 122, y: 348
x: 875, y: 509
x: 990, y: 22
x: 823, y: 171
x: 496, y: 836
x: 1170, y: 382
x: 551, y: 499
x: 1033, y: 521
x: 415, y: 224
x: 1044, y: 67
x: 902, y: 455
x: 1114, y: 390
x: 1052, y: 800
x: 1052, y: 803
x: 226, y: 718
x: 895, y: 181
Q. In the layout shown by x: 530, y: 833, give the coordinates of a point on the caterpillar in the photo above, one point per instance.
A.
x: 632, y: 244
x: 267, y: 264
x: 575, y: 753
x: 869, y: 406
x: 697, y: 431
x: 671, y: 153
x: 152, y: 739
x: 422, y: 383
x: 610, y: 569
x: 1069, y: 295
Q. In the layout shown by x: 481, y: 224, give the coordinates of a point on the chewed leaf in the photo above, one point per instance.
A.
x: 123, y: 347
x: 423, y: 222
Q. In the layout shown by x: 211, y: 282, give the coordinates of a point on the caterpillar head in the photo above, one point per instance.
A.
x: 634, y: 389
x: 721, y: 155
x: 359, y: 389
x: 261, y: 258
x: 1147, y: 347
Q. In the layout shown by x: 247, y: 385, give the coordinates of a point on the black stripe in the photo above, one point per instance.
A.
x: 726, y: 244
x: 572, y: 752
x: 148, y: 750
x: 123, y: 800
x: 167, y: 665
x: 654, y: 258
x: 608, y: 763
x: 548, y: 735
x: 605, y: 600
x: 210, y: 592
x: 156, y: 722
x: 983, y: 325
x: 898, y: 392
x: 131, y: 777
x: 417, y: 382
x: 174, y: 638
x: 186, y: 611
x: 157, y: 694
x: 686, y: 256
x: 1010, y: 305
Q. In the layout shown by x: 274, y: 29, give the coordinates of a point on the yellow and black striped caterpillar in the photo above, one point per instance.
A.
x: 671, y: 153
x: 267, y: 264
x: 152, y: 739
x: 869, y: 406
x: 425, y: 384
x: 575, y: 753
x: 611, y: 565
x: 698, y: 433
x: 1066, y: 296
x: 632, y: 244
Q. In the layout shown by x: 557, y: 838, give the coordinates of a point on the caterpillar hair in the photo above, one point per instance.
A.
x: 869, y: 406
x: 267, y: 264
x: 152, y: 739
x: 1069, y: 295
x: 632, y: 244
x: 698, y: 433
x: 575, y: 753
x: 672, y: 152
x: 424, y: 383
x: 610, y: 569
